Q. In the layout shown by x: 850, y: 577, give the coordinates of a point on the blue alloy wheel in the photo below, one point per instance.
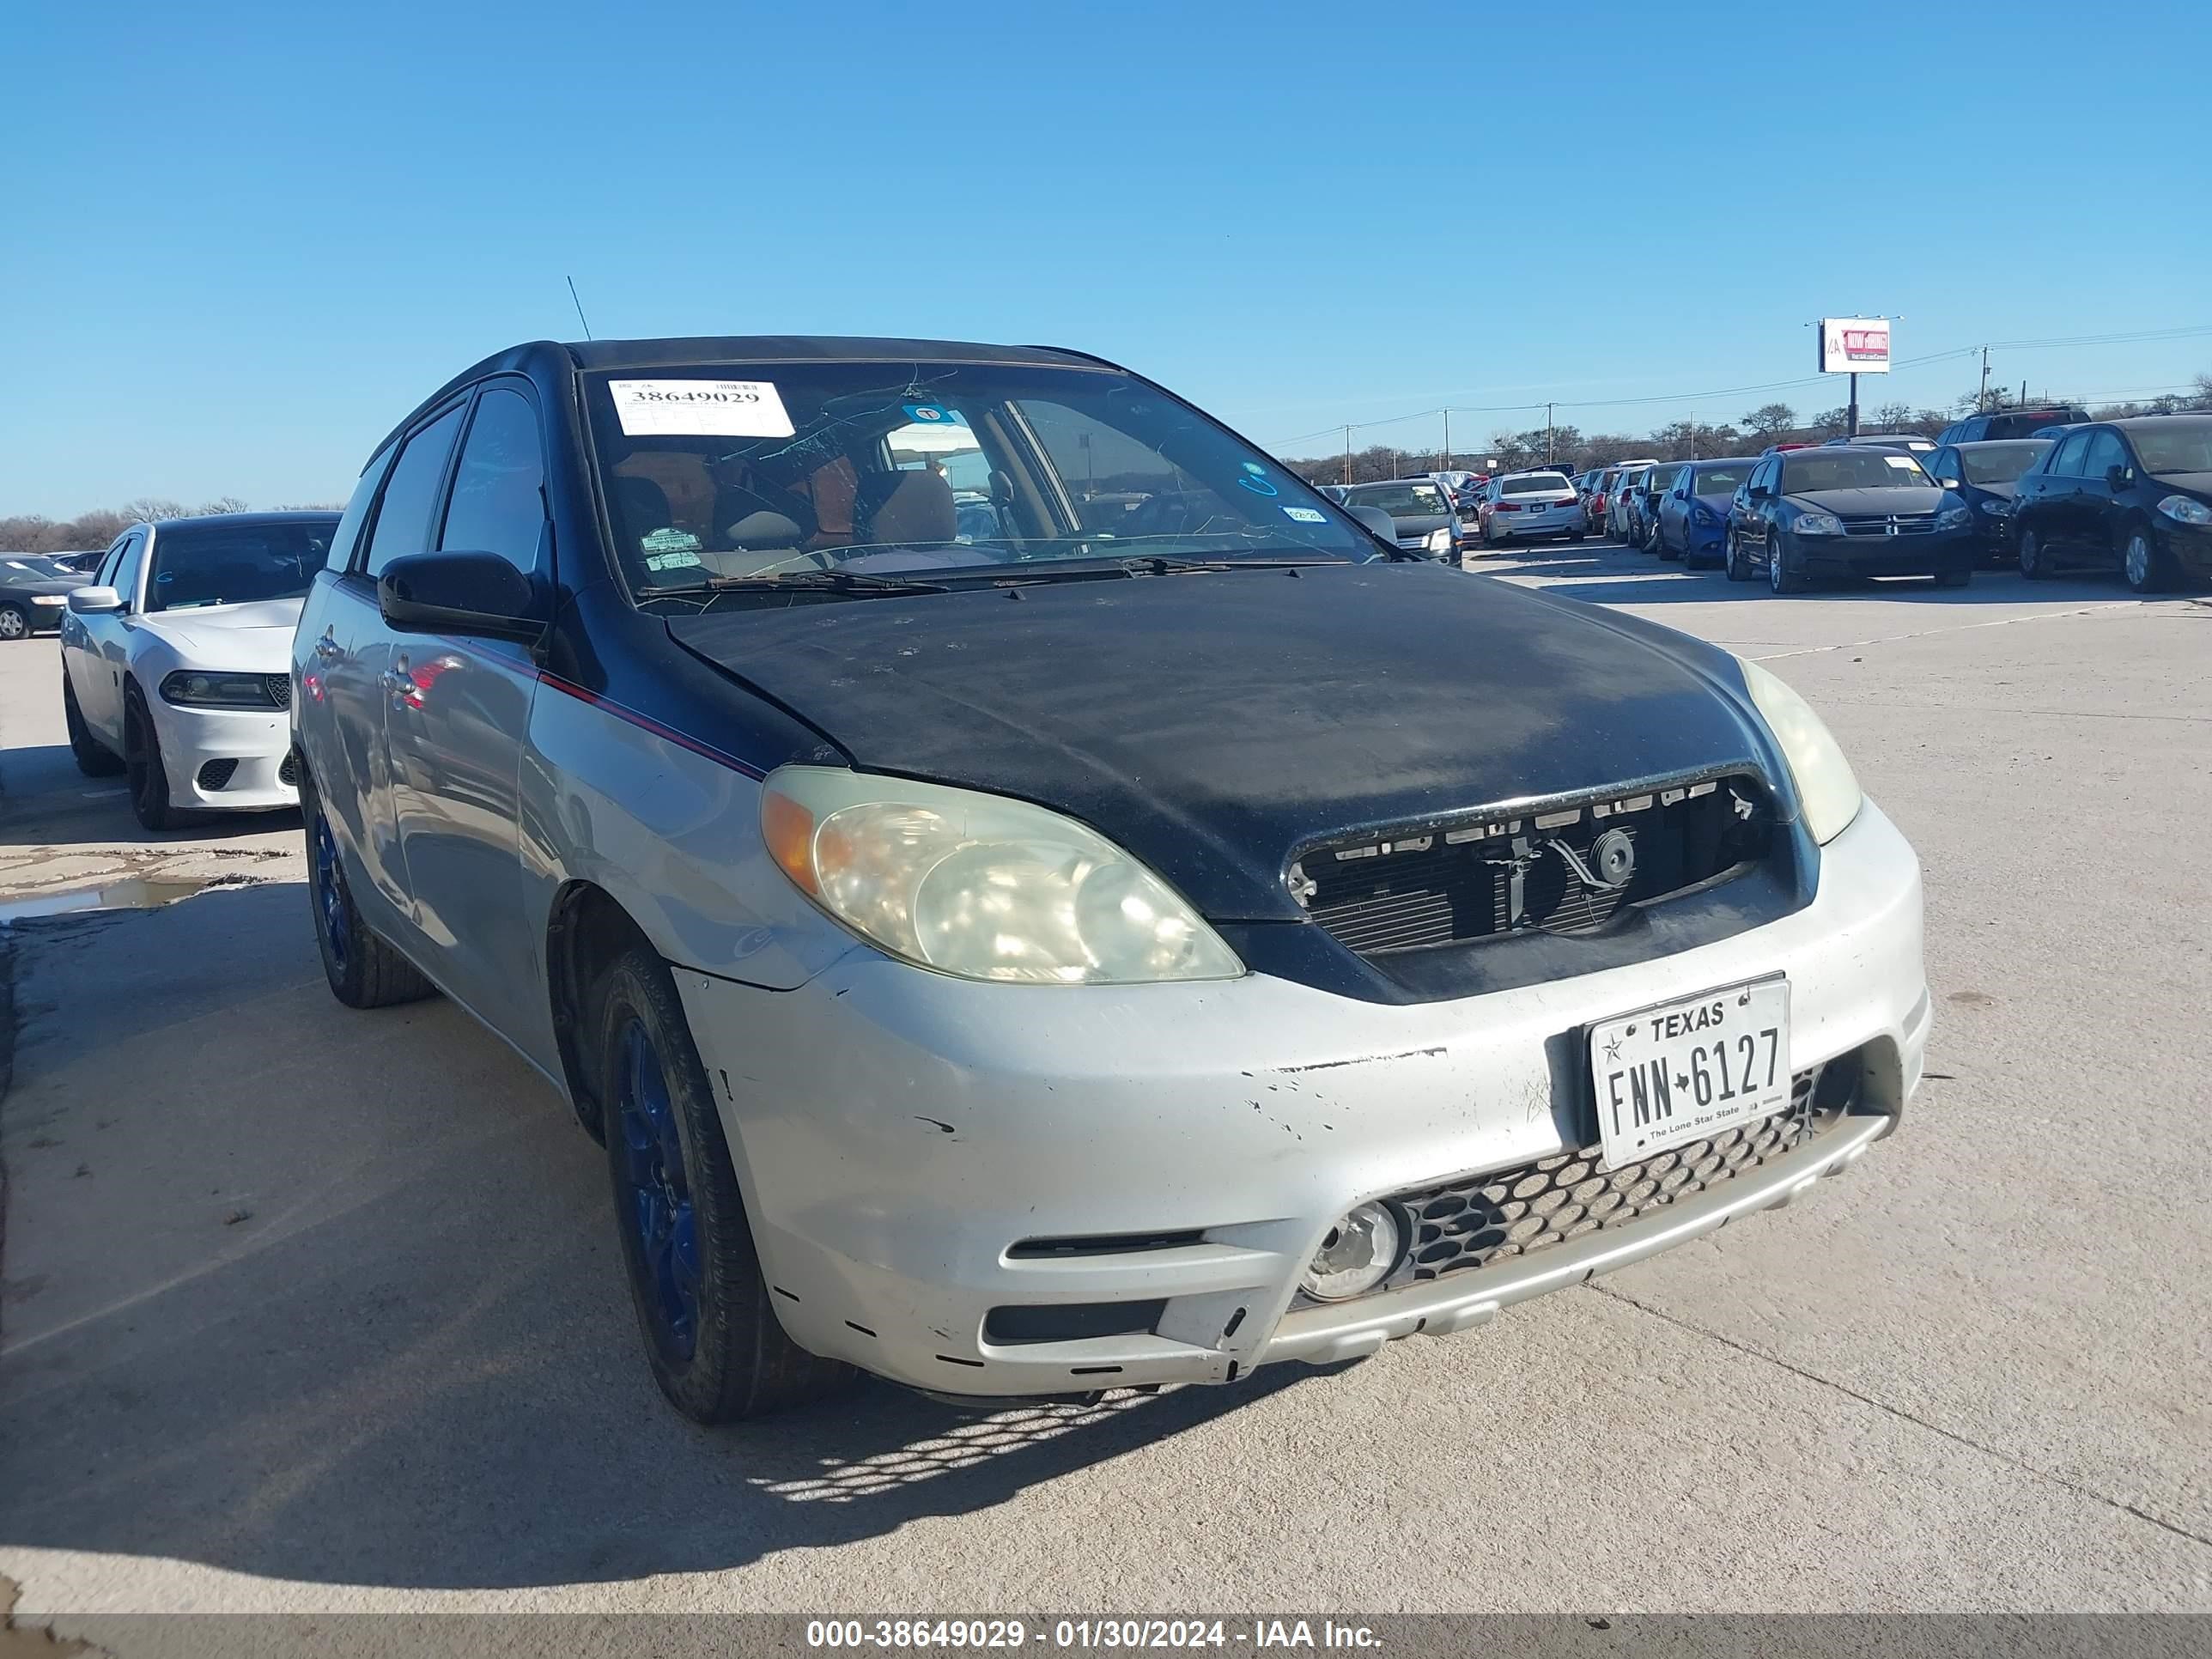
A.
x: 329, y: 890
x: 656, y: 1197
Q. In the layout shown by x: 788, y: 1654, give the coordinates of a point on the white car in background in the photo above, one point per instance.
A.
x: 177, y: 660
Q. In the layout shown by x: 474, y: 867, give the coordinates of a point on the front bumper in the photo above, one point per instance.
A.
x: 2189, y: 546
x: 1885, y: 556
x: 899, y: 1134
x: 253, y: 741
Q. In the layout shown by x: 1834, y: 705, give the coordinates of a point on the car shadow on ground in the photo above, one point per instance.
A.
x: 338, y: 1300
x: 46, y: 802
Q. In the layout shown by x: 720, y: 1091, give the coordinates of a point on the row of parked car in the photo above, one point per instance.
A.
x: 2041, y: 489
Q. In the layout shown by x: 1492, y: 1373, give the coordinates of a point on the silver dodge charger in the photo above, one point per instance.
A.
x: 1034, y: 898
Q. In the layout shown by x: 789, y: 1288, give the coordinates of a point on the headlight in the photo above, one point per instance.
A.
x: 1817, y: 524
x: 2186, y: 509
x: 1827, y: 786
x: 1701, y: 514
x: 48, y: 599
x: 1440, y: 541
x: 982, y: 887
x: 1996, y: 508
x: 194, y: 690
x: 1953, y: 518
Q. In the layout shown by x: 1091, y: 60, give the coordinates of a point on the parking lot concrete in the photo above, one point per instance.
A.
x: 309, y: 1309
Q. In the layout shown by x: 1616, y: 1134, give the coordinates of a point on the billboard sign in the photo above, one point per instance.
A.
x: 1854, y: 345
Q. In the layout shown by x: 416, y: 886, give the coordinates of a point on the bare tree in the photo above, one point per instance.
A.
x: 1769, y: 421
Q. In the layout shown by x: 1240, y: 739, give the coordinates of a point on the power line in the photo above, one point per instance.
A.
x: 2189, y: 332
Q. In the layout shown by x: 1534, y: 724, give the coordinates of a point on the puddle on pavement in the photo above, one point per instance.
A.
x: 128, y: 893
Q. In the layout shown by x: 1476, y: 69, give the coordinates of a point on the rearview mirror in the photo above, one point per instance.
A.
x: 469, y: 593
x: 95, y: 601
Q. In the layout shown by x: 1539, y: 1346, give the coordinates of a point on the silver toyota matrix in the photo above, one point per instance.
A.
x: 1034, y: 898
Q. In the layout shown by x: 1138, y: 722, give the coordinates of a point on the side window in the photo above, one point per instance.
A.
x: 1943, y: 465
x: 124, y: 581
x: 2106, y: 452
x: 403, y: 522
x: 497, y: 507
x: 356, y: 511
x: 105, y: 577
x: 2067, y: 463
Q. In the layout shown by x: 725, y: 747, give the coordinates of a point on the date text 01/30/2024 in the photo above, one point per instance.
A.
x: 1087, y: 1635
x: 1683, y: 1071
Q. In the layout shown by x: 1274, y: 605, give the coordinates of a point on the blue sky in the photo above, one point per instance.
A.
x: 242, y: 239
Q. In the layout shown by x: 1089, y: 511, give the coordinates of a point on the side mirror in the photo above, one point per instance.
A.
x: 478, y: 594
x: 1949, y: 482
x: 2117, y: 477
x: 95, y: 601
x: 1376, y: 523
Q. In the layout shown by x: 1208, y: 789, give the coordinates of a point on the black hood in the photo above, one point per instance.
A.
x: 1899, y: 498
x: 1213, y: 723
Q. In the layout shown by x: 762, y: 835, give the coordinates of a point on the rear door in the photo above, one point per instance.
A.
x: 455, y: 719
x: 355, y: 649
x: 2058, y: 507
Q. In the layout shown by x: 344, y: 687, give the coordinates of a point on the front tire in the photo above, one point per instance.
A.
x: 2143, y: 565
x: 1782, y: 576
x: 363, y: 970
x: 15, y: 623
x: 93, y: 758
x: 704, y: 1308
x: 2035, y: 557
x: 143, y: 768
x: 1738, y: 566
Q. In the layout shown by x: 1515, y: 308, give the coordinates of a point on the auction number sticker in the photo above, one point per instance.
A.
x: 700, y: 408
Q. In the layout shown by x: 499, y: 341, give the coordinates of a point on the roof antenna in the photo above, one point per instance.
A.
x: 579, y: 308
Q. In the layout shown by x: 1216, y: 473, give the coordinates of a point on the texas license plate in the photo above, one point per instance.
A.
x: 1688, y: 1069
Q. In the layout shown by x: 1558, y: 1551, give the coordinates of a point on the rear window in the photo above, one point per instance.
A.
x: 1539, y: 483
x: 1408, y: 500
x: 1999, y: 463
x: 198, y: 565
x: 1850, y: 468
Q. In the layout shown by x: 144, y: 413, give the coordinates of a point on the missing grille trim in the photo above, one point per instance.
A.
x: 1563, y: 866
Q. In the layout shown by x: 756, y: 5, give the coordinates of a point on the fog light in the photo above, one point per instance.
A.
x: 1357, y: 1255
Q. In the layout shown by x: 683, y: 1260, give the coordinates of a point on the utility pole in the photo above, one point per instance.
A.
x: 1347, y: 454
x: 1851, y: 412
x: 1982, y: 403
x: 1447, y: 467
x: 1547, y: 434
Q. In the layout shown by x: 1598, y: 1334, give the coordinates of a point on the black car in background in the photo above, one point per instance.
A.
x: 2132, y: 495
x: 33, y: 594
x: 2011, y: 424
x: 1982, y: 476
x: 1846, y: 512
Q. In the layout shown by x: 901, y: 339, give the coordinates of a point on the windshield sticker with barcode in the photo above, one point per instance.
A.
x: 1905, y: 461
x: 700, y: 408
x: 1306, y: 514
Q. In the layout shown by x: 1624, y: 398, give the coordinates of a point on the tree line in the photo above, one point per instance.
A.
x: 33, y: 532
x: 1689, y: 440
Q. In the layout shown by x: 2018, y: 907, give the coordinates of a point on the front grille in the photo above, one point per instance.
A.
x: 1888, y: 523
x: 1567, y: 870
x: 289, y: 773
x: 1471, y: 1223
x: 279, y: 687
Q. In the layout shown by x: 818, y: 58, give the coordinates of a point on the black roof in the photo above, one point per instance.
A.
x: 2008, y: 443
x: 318, y: 515
x: 2129, y: 423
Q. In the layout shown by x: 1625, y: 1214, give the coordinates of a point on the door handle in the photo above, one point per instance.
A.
x: 327, y: 647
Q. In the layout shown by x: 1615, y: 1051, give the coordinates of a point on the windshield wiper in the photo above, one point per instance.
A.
x: 857, y: 582
x: 1161, y: 564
